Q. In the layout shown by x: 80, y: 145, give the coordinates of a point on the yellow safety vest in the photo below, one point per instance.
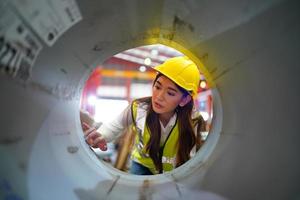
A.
x: 169, y: 149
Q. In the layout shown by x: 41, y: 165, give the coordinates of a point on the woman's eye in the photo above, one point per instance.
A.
x: 156, y: 87
x: 171, y: 93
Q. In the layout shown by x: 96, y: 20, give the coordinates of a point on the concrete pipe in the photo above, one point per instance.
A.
x: 249, y: 50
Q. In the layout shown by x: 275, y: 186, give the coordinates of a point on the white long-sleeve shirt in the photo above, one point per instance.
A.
x: 115, y: 128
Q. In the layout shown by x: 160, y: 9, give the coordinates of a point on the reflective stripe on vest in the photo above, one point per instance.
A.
x: 140, y: 154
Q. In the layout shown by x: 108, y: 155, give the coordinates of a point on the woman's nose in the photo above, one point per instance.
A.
x: 160, y: 95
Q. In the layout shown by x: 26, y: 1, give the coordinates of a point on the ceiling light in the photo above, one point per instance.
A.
x: 154, y: 52
x: 142, y: 68
x: 147, y: 61
x: 203, y: 84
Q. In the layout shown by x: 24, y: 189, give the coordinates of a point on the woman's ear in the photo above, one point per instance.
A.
x: 185, y: 100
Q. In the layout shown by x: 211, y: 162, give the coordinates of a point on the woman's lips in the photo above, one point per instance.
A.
x: 157, y: 105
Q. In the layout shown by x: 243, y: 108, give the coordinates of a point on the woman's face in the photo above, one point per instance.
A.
x: 165, y: 96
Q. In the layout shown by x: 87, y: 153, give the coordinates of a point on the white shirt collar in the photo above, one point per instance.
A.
x: 171, y: 122
x: 141, y: 119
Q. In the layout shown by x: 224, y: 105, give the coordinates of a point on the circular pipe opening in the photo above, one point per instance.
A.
x: 190, y: 166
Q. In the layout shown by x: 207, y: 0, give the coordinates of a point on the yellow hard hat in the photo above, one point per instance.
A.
x: 183, y: 72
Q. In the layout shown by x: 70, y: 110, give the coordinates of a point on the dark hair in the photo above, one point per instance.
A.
x: 187, y: 138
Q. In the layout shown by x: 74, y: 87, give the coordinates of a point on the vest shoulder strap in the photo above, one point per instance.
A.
x: 134, y: 106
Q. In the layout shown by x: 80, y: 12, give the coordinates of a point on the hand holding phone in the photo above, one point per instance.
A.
x: 94, y: 138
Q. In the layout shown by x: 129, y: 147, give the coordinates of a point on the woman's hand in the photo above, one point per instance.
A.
x: 93, y: 138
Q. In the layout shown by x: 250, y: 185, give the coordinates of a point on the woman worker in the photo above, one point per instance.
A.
x: 165, y: 133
